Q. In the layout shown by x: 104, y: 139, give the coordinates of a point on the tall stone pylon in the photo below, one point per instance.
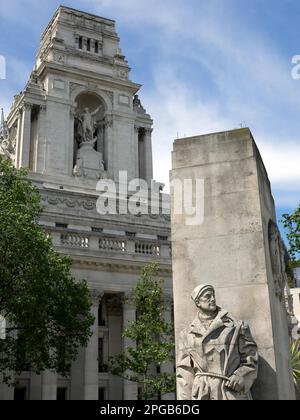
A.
x: 235, y: 246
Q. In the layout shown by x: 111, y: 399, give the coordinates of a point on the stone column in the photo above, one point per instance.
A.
x: 130, y: 389
x: 6, y: 392
x: 71, y: 150
x: 169, y: 366
x: 25, y: 136
x: 18, y: 139
x: 148, y: 156
x: 35, y: 387
x: 136, y: 152
x: 42, y: 141
x: 109, y: 146
x: 114, y: 310
x: 49, y: 386
x: 91, y: 371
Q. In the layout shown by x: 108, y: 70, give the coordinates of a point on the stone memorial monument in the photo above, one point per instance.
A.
x: 236, y: 248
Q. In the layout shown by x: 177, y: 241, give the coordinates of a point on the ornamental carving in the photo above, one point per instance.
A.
x: 8, y: 140
x: 277, y: 255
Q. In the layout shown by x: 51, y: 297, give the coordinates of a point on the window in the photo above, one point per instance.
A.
x: 61, y: 225
x: 96, y: 47
x: 101, y: 394
x: 88, y: 44
x: 20, y: 394
x: 61, y: 394
x: 80, y: 43
x: 97, y: 230
x: 101, y: 355
x: 101, y: 319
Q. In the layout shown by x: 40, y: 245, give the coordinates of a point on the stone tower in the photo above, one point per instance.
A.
x: 79, y: 115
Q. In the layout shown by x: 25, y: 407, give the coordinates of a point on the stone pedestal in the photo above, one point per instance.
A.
x: 89, y: 163
x: 234, y: 247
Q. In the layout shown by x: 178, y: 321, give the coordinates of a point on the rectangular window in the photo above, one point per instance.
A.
x: 101, y: 319
x: 80, y: 42
x: 101, y: 394
x: 97, y: 230
x: 61, y: 394
x: 96, y: 47
x: 88, y: 44
x: 61, y: 225
x: 20, y: 394
x: 101, y: 355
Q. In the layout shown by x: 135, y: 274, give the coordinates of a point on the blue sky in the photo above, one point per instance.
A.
x: 205, y: 65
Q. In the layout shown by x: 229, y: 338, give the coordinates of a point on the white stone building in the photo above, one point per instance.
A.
x: 77, y: 120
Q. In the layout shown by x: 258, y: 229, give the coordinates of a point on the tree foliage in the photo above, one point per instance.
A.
x: 142, y: 363
x: 47, y: 313
x: 291, y: 223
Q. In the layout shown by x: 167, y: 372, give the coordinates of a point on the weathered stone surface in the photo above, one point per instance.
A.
x: 231, y: 249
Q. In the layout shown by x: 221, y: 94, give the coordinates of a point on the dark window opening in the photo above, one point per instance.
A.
x: 97, y: 230
x: 88, y: 45
x: 96, y: 47
x: 100, y: 355
x: 20, y: 394
x: 80, y: 43
x: 101, y: 394
x: 101, y: 318
x: 61, y: 394
x: 61, y: 225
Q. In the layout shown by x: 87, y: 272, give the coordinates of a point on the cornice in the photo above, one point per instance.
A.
x: 117, y: 267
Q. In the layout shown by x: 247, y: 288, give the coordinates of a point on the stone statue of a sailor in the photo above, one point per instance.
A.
x: 217, y: 357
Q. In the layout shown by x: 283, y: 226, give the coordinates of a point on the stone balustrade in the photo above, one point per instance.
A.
x: 109, y: 244
x: 75, y: 240
x: 93, y: 241
x: 147, y: 249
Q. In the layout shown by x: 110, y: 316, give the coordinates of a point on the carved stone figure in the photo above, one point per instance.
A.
x: 7, y: 139
x: 277, y: 254
x: 87, y: 119
x: 218, y: 358
x: 88, y: 162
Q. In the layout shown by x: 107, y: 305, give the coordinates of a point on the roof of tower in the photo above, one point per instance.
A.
x: 79, y: 13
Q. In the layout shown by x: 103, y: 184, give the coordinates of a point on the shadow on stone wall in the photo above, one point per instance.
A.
x: 266, y: 377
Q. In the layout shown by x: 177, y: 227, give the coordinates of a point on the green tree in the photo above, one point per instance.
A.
x: 47, y: 313
x: 291, y: 223
x: 154, y: 338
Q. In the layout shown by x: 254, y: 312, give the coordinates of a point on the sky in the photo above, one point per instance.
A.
x: 205, y: 66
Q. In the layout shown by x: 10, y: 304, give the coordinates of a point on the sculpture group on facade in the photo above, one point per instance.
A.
x: 217, y: 356
x: 7, y: 140
x: 89, y: 163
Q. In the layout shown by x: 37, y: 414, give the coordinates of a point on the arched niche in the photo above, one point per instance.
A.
x: 90, y: 111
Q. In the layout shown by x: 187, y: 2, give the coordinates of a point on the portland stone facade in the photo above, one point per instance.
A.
x: 236, y: 248
x: 77, y: 121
